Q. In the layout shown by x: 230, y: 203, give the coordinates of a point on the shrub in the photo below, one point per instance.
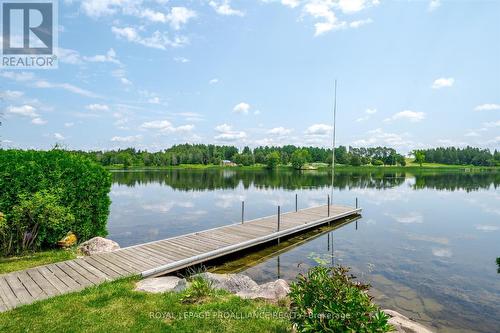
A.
x: 327, y: 299
x: 39, y: 221
x: 377, y: 162
x: 80, y: 185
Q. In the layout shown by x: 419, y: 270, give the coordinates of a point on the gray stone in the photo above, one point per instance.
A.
x: 404, y: 324
x: 161, y: 284
x: 97, y: 245
x: 272, y: 291
x: 230, y: 282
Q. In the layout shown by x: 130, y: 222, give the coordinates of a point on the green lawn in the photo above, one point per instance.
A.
x: 16, y: 263
x: 115, y: 307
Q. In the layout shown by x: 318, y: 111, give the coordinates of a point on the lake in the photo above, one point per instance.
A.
x: 426, y: 241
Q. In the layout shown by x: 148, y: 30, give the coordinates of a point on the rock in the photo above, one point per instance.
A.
x: 404, y: 324
x: 68, y: 240
x: 272, y: 291
x: 97, y: 245
x: 161, y: 284
x: 230, y: 282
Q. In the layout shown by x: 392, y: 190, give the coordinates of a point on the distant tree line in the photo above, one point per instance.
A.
x: 458, y: 156
x: 269, y: 156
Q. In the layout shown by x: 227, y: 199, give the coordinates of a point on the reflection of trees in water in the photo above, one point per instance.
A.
x: 189, y: 180
x: 263, y: 179
x: 457, y: 181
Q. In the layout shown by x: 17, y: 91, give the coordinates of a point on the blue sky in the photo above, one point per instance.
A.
x: 150, y: 74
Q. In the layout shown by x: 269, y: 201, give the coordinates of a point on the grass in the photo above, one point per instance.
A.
x: 29, y: 260
x: 115, y: 307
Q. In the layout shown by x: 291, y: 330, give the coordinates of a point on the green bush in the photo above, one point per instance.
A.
x: 65, y: 179
x: 327, y: 299
x: 39, y: 221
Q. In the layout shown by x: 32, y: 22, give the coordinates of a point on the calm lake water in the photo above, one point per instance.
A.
x: 427, y: 242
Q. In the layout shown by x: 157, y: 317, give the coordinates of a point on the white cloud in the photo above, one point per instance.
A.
x: 214, y: 81
x: 97, y: 8
x: 154, y: 100
x: 359, y: 23
x: 434, y: 4
x: 223, y: 7
x: 120, y: 74
x: 66, y: 86
x: 323, y: 10
x: 59, y: 136
x: 319, y: 130
x: 179, y: 16
x: 110, y: 56
x: 379, y: 137
x: 290, y: 3
x: 353, y: 6
x: 18, y: 76
x: 368, y: 113
x: 127, y: 139
x: 492, y: 123
x: 242, y: 108
x: 487, y: 107
x: 11, y: 94
x: 69, y: 56
x: 158, y: 40
x: 412, y: 116
x: 97, y: 107
x: 443, y: 83
x: 280, y: 131
x: 38, y: 121
x: 24, y: 111
x: 181, y: 60
x: 472, y: 133
x: 227, y: 134
x: 166, y: 126
x: 223, y: 128
x: 69, y: 124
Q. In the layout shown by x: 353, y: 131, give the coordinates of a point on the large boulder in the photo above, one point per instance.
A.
x: 161, y: 284
x: 272, y: 291
x: 404, y: 324
x: 97, y: 245
x: 230, y: 282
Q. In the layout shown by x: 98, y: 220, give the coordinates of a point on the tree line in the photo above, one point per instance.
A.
x: 204, y: 154
x: 271, y: 156
x: 459, y: 156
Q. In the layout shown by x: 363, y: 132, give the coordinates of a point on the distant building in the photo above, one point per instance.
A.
x: 228, y: 163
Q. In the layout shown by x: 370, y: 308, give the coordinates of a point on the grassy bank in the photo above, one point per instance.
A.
x: 29, y: 260
x: 317, y: 166
x: 115, y: 307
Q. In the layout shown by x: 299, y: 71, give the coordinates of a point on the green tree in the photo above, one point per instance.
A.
x: 299, y: 158
x: 355, y: 160
x: 419, y: 156
x: 272, y: 159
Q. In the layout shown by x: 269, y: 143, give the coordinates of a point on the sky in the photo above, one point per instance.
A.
x: 151, y: 74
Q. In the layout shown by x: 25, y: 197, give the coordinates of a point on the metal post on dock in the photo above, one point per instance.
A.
x: 356, y: 202
x: 328, y: 204
x: 279, y: 217
x: 296, y: 203
x: 242, y: 211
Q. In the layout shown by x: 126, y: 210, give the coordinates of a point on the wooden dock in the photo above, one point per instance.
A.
x: 159, y: 257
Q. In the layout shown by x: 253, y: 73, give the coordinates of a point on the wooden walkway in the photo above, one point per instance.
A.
x: 158, y: 257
